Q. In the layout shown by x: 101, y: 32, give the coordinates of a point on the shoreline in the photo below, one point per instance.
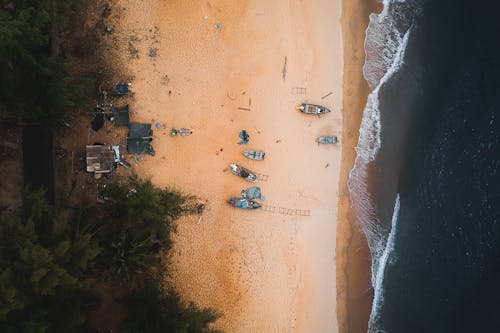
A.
x: 355, y: 292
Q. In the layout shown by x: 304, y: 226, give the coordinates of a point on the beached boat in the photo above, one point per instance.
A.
x: 181, y: 132
x: 243, y: 173
x: 312, y: 109
x: 255, y: 154
x: 327, y: 139
x: 251, y: 193
x: 243, y: 203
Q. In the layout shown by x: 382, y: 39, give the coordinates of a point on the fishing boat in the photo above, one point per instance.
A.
x: 243, y: 203
x: 253, y: 192
x: 181, y: 132
x: 327, y: 139
x: 312, y: 109
x: 255, y: 154
x: 243, y: 173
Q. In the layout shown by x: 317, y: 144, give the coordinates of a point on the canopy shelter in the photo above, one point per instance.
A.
x: 121, y: 89
x: 140, y: 146
x: 139, y: 138
x: 120, y: 115
x: 101, y: 158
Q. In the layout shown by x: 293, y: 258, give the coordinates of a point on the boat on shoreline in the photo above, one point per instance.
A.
x: 243, y: 172
x: 257, y: 155
x: 312, y: 109
x: 327, y: 139
x: 243, y: 203
x: 181, y: 132
x: 253, y: 192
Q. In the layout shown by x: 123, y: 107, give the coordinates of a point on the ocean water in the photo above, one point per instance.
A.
x: 426, y: 183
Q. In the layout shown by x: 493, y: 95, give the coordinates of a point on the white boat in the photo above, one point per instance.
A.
x: 255, y: 154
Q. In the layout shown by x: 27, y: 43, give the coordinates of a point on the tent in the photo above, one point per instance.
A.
x: 120, y: 115
x: 139, y: 138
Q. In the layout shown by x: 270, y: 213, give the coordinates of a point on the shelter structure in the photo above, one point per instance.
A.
x: 139, y: 139
x: 120, y: 90
x: 120, y: 115
x: 102, y: 158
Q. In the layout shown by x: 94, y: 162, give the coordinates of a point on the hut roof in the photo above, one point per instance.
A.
x: 139, y: 138
x: 100, y: 158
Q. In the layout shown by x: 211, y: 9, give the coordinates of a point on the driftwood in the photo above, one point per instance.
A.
x: 284, y: 69
x: 327, y: 95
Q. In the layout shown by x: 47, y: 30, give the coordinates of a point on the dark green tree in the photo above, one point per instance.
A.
x: 150, y: 310
x: 35, y: 84
x: 139, y: 222
x: 44, y: 255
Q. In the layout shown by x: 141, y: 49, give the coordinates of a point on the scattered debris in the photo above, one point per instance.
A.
x: 284, y: 69
x: 244, y: 136
x: 200, y: 208
x: 109, y: 29
x: 327, y: 95
x: 153, y: 52
x: 165, y: 80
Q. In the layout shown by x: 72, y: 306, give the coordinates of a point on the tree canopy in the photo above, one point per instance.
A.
x: 34, y: 84
x: 139, y: 221
x: 154, y: 311
x: 44, y: 254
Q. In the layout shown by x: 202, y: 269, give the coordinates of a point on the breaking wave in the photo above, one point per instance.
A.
x: 386, y: 41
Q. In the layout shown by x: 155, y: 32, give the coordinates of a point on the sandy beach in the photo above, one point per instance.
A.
x: 218, y: 67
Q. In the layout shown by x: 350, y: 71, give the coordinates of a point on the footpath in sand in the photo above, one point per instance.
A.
x: 217, y: 67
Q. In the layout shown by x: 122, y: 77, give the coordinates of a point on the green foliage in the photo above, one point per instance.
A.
x: 34, y: 84
x: 150, y: 310
x: 44, y: 256
x: 141, y: 219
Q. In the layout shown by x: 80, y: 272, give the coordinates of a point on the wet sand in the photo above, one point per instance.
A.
x: 355, y: 293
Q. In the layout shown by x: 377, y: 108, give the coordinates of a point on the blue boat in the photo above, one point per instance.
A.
x: 243, y: 203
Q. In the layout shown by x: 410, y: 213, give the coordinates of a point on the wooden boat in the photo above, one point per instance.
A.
x: 255, y: 154
x: 181, y: 132
x: 327, y: 139
x: 243, y: 173
x: 312, y: 109
x: 243, y: 203
x: 251, y: 193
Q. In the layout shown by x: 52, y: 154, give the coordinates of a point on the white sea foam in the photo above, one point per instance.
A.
x: 386, y: 41
x: 387, y: 254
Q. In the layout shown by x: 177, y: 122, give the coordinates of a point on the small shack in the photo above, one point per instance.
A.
x: 139, y: 138
x: 101, y: 158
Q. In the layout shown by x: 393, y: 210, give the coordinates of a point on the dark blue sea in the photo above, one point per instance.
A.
x: 426, y: 183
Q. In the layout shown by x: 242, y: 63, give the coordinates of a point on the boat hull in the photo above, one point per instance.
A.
x: 313, y: 109
x: 243, y: 203
x: 243, y: 172
x: 327, y: 140
x: 255, y: 155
